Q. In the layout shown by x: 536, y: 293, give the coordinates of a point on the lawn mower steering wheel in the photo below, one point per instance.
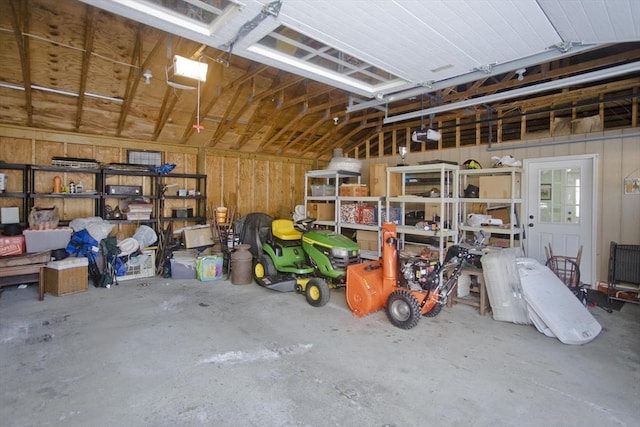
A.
x: 304, y: 224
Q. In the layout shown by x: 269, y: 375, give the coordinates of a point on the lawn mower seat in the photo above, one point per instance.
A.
x: 282, y: 229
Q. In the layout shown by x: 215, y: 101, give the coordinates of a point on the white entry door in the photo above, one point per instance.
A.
x: 561, y: 209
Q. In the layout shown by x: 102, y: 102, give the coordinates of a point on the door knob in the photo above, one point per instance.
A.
x: 530, y: 224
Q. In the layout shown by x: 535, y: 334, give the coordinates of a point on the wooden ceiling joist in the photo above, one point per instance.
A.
x: 20, y: 24
x: 89, y: 32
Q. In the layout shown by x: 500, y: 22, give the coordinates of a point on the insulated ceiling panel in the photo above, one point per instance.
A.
x: 595, y: 21
x: 426, y: 41
x: 423, y: 43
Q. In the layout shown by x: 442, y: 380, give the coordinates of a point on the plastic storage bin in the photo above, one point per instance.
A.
x: 47, y: 240
x: 323, y: 190
x: 183, y: 265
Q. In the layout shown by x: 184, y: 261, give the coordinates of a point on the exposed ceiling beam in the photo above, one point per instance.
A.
x: 20, y: 24
x: 89, y: 32
x: 524, y: 91
x: 430, y: 87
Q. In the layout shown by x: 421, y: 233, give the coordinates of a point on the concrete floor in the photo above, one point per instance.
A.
x: 165, y: 352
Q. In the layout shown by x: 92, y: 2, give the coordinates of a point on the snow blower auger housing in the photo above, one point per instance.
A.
x: 418, y: 287
x: 298, y: 258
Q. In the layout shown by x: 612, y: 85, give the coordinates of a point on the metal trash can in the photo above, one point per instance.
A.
x: 241, y: 265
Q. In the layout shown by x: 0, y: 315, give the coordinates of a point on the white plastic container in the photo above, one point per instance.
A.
x: 47, y: 240
x: 555, y: 306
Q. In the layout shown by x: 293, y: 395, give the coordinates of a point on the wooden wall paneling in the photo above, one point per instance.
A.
x: 108, y: 154
x: 79, y: 150
x: 230, y: 179
x: 213, y: 170
x: 610, y: 201
x: 260, y: 190
x: 298, y: 184
x: 44, y: 150
x: 246, y: 179
x: 630, y: 203
x: 276, y: 191
x: 15, y: 150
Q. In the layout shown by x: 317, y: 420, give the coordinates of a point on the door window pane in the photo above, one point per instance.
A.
x: 559, y: 196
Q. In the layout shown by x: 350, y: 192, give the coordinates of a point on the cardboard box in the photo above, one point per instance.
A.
x: 354, y: 190
x: 322, y: 211
x: 9, y: 215
x: 502, y: 213
x: 498, y: 187
x: 66, y: 276
x: 367, y: 240
x: 197, y: 237
x: 47, y: 240
x: 11, y: 245
x: 378, y: 181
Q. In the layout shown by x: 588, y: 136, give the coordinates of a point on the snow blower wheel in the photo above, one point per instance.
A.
x: 403, y: 309
x: 317, y: 292
x: 434, y: 311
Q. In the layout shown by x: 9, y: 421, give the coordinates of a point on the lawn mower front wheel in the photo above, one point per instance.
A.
x: 317, y: 292
x: 403, y: 309
x: 263, y: 267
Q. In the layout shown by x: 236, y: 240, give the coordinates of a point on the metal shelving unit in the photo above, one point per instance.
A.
x: 511, y: 205
x: 439, y: 223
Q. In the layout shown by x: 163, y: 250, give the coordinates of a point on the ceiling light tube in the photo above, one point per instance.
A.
x: 529, y: 90
x: 167, y: 16
x: 308, y: 67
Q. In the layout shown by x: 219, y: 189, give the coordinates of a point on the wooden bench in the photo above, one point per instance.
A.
x: 481, y: 301
x: 23, y: 269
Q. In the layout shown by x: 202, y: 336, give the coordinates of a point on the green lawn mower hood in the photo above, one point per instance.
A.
x: 332, y: 252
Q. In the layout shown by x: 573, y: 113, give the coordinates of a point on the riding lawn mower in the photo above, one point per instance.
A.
x: 296, y: 257
x: 409, y: 289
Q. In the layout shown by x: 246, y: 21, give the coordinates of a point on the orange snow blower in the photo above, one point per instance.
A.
x: 418, y: 287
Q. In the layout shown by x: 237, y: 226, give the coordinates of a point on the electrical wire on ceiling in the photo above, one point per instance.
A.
x: 198, y: 127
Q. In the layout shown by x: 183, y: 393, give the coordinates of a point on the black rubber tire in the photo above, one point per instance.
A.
x: 263, y: 267
x: 403, y: 309
x: 317, y: 292
x: 434, y: 311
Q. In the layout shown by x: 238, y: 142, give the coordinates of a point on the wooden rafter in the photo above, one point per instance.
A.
x: 168, y: 102
x: 138, y: 66
x: 20, y: 24
x: 89, y: 31
x: 215, y: 92
x: 259, y: 98
x: 325, y: 111
x: 219, y: 131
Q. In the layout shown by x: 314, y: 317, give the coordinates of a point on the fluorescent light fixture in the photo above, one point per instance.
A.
x: 277, y: 56
x: 185, y: 67
x: 160, y: 13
